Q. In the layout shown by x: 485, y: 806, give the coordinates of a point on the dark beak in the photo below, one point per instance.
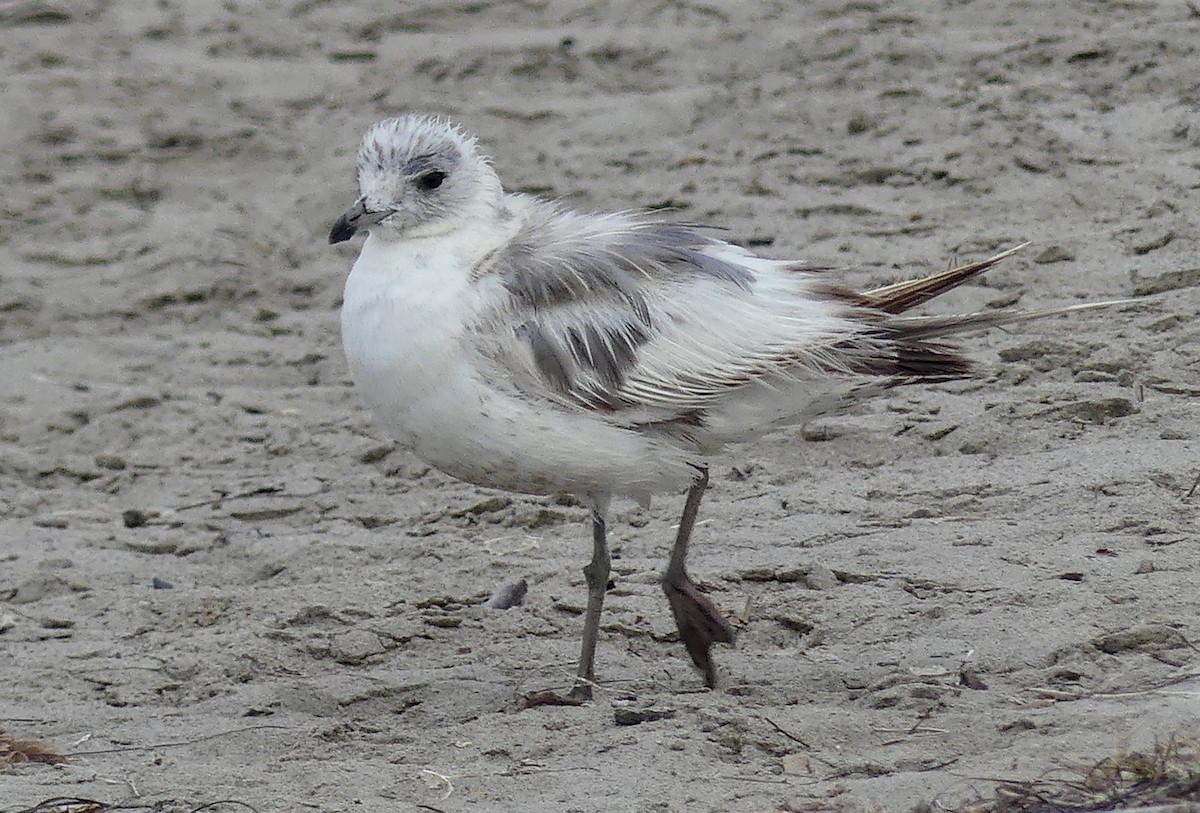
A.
x: 347, y: 224
x: 355, y: 218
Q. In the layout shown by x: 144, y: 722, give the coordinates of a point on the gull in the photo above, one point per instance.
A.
x: 519, y: 345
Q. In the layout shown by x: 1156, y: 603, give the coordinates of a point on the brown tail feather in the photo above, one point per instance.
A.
x: 908, y: 349
x: 911, y: 361
x: 914, y: 352
x: 902, y: 296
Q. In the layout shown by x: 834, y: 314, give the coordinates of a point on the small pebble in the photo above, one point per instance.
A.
x: 858, y: 122
x: 971, y: 679
x: 1153, y: 243
x: 355, y: 647
x: 111, y: 462
x: 51, y: 522
x: 133, y: 518
x: 509, y: 595
x: 1053, y: 254
x: 376, y: 452
x: 628, y: 716
x: 161, y: 584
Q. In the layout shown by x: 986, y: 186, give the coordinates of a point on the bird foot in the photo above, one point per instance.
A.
x: 699, y: 621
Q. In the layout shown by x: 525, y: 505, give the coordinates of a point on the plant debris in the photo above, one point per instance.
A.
x: 15, y: 752
x: 1169, y: 774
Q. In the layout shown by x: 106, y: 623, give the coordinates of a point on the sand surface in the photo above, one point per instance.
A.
x: 169, y: 345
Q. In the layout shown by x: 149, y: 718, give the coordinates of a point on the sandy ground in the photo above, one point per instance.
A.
x: 168, y: 323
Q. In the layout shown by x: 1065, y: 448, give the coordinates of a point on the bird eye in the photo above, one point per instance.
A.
x: 431, y: 180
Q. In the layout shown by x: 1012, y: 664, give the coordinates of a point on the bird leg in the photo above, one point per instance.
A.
x: 700, y: 623
x: 596, y: 573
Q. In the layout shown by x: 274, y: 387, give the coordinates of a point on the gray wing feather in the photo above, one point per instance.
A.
x: 560, y: 256
x: 583, y: 288
x: 655, y: 324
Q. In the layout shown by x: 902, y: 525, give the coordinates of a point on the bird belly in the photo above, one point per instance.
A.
x: 409, y: 355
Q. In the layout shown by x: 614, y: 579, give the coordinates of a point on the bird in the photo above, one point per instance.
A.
x: 517, y: 344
